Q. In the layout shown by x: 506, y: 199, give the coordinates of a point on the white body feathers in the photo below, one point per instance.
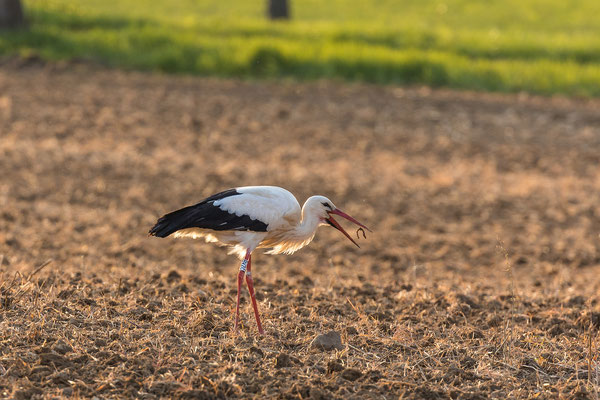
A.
x: 289, y: 228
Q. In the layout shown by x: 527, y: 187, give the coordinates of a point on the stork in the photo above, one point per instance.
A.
x: 251, y: 217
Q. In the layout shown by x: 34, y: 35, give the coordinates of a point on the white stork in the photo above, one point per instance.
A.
x: 247, y: 218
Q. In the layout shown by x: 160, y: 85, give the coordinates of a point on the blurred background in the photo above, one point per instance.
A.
x: 538, y: 46
x: 444, y: 176
x: 75, y: 115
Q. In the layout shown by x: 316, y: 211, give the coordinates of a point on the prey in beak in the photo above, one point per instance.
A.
x: 337, y: 226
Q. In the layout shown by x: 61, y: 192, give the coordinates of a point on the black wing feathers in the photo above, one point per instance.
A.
x: 206, y: 215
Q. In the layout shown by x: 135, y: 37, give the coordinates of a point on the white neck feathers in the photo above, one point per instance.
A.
x: 294, y: 239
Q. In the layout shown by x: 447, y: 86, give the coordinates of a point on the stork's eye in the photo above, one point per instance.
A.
x: 326, y: 205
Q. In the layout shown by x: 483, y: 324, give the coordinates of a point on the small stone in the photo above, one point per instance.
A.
x: 328, y: 341
x: 351, y: 374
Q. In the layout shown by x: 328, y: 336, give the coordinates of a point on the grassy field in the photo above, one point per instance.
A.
x: 538, y: 46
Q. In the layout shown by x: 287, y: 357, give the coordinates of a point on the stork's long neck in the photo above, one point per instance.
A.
x: 298, y: 235
x: 307, y: 227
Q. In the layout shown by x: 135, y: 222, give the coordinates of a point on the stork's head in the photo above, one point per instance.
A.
x: 324, y: 209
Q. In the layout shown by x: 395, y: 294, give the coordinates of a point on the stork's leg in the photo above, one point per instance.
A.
x: 250, y: 283
x: 245, y: 262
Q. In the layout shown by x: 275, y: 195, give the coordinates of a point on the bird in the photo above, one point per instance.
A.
x: 249, y: 218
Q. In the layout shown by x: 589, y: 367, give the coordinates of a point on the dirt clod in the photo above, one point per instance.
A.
x: 351, y: 374
x: 56, y: 360
x: 173, y: 276
x: 61, y: 347
x: 334, y: 366
x: 319, y: 394
x: 26, y: 394
x: 283, y: 360
x: 351, y: 330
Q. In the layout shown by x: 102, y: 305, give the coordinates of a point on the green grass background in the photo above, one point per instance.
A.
x: 540, y: 46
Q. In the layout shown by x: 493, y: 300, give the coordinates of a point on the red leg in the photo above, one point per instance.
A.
x: 245, y: 261
x: 250, y: 283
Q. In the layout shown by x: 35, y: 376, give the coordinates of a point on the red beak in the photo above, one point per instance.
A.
x: 337, y: 226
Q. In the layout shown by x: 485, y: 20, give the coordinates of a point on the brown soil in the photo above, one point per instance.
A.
x: 481, y: 279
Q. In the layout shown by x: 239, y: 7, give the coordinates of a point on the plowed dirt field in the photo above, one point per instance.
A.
x: 481, y: 278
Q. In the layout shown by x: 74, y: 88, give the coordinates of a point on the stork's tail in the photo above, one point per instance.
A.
x: 172, y: 222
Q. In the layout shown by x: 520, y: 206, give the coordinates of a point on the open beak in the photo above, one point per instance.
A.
x: 337, y: 226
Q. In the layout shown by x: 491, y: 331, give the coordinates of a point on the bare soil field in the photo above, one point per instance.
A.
x: 481, y: 278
